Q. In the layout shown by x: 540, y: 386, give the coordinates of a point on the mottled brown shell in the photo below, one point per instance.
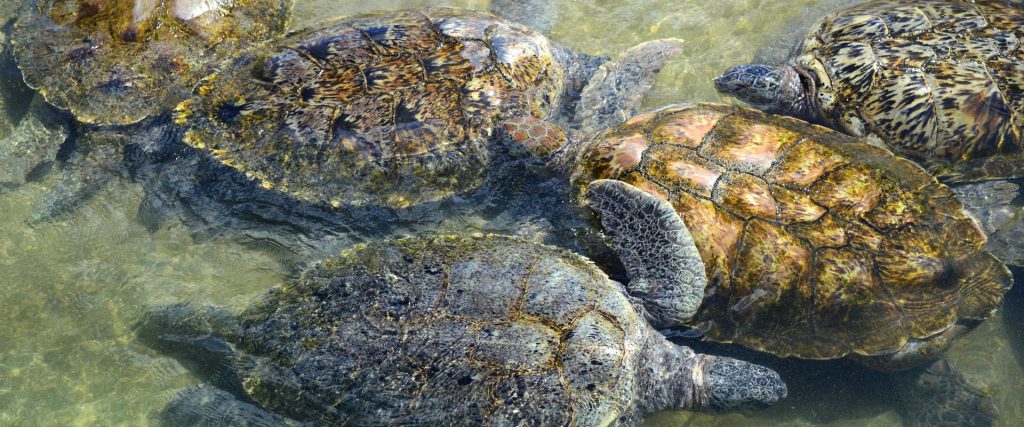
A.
x: 941, y: 81
x: 394, y: 109
x: 120, y: 61
x: 816, y: 244
x: 496, y: 330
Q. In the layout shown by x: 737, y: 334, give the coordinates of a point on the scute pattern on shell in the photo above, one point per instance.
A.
x: 120, y: 61
x: 816, y: 244
x: 485, y: 329
x: 394, y: 108
x: 941, y: 81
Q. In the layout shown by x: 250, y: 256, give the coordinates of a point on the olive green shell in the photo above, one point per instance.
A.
x: 120, y: 61
x: 816, y: 244
x: 941, y: 81
x: 490, y: 330
x: 393, y: 109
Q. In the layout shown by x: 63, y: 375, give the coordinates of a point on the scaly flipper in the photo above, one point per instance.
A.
x: 664, y: 267
x: 991, y: 203
x: 940, y: 396
x: 199, y: 335
x: 83, y: 176
x: 208, y: 406
x: 616, y: 90
x: 32, y: 143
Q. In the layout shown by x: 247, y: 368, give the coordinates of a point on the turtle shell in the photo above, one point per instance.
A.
x: 393, y: 109
x: 941, y: 81
x: 816, y: 244
x: 120, y: 61
x: 488, y: 330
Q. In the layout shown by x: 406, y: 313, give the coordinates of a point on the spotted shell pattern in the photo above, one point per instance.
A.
x: 486, y: 329
x: 394, y: 108
x: 939, y: 80
x: 120, y: 61
x: 816, y: 244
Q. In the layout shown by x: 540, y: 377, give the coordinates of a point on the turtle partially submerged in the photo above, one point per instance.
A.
x: 115, y: 67
x: 940, y: 81
x: 483, y: 330
x: 120, y: 61
x: 30, y: 132
x: 817, y: 245
x: 398, y: 109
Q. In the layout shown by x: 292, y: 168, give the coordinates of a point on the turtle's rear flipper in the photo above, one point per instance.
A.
x: 539, y: 15
x: 940, y: 396
x: 616, y: 90
x: 205, y: 405
x: 197, y: 335
x: 664, y: 267
x: 32, y: 143
x: 83, y: 176
x: 992, y: 204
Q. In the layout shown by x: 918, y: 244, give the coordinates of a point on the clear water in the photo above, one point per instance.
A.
x: 70, y: 290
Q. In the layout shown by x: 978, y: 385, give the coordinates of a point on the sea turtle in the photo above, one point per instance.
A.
x: 398, y: 109
x: 480, y: 330
x: 120, y: 61
x: 30, y: 131
x: 115, y: 67
x: 940, y: 81
x: 816, y: 244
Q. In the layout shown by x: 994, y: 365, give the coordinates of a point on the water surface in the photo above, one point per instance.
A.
x: 70, y: 290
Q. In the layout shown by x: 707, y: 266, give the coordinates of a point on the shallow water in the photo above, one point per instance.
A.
x: 70, y: 290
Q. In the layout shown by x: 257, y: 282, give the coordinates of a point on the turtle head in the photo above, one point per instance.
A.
x: 735, y: 384
x: 781, y: 89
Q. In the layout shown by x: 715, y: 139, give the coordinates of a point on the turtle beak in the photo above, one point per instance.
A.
x: 755, y: 84
x: 720, y: 83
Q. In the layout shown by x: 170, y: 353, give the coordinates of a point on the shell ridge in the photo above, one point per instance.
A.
x: 900, y: 321
x: 1004, y: 137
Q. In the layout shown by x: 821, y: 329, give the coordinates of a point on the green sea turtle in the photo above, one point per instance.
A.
x: 940, y: 81
x: 816, y: 244
x: 399, y: 109
x: 482, y: 330
x: 115, y: 67
x: 30, y: 131
x: 120, y: 61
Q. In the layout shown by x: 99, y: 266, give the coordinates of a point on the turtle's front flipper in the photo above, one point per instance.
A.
x: 992, y: 204
x: 539, y: 15
x: 32, y: 143
x: 100, y: 154
x: 664, y: 267
x: 198, y: 336
x: 940, y: 396
x: 83, y: 175
x: 205, y: 405
x: 616, y: 90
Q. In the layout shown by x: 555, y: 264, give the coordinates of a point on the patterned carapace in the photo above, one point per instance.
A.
x: 941, y: 81
x: 816, y: 244
x: 120, y: 61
